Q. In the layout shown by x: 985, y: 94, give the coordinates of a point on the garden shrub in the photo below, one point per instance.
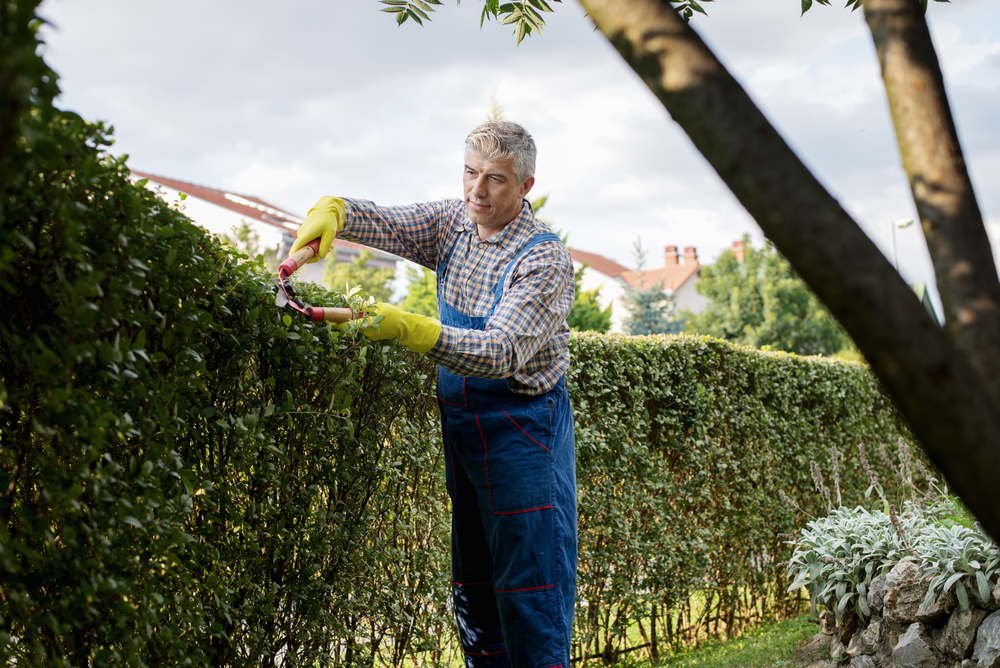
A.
x: 837, y: 556
x: 188, y: 476
x: 684, y: 447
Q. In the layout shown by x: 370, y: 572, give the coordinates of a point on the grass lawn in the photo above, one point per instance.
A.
x: 775, y: 645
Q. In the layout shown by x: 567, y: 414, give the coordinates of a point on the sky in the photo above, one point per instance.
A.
x: 292, y: 100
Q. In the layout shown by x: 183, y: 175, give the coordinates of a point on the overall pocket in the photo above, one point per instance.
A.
x: 517, y: 443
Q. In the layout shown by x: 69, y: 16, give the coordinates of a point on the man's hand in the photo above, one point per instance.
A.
x: 416, y: 332
x: 324, y: 221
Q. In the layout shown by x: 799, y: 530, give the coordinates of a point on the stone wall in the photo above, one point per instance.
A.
x: 903, y: 633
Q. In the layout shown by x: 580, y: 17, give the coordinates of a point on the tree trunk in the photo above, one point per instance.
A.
x: 942, y: 190
x: 937, y: 387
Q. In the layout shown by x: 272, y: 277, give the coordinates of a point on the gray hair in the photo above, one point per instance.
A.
x: 496, y: 140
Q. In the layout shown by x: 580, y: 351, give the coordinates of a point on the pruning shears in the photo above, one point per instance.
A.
x: 286, y: 291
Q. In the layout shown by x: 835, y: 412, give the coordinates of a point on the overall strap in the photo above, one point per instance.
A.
x: 442, y: 266
x: 498, y: 288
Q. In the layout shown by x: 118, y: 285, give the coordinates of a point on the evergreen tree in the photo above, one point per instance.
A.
x: 374, y: 281
x: 650, y: 310
x: 761, y: 301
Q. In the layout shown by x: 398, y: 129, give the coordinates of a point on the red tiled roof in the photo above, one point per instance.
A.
x: 598, y: 262
x: 673, y: 276
x: 248, y: 206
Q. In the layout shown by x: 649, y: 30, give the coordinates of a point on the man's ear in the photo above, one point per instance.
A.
x: 526, y: 186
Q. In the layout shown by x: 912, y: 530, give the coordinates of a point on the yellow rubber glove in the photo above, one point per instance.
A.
x: 416, y: 332
x: 324, y: 220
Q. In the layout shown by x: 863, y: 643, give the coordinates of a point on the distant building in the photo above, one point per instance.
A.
x: 604, y: 274
x: 220, y: 212
x: 679, y: 274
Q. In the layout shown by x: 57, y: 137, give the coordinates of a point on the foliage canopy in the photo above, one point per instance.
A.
x: 359, y: 272
x: 761, y: 301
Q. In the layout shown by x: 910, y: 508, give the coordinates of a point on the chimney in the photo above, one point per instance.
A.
x: 670, y: 255
x: 738, y: 250
x: 690, y: 255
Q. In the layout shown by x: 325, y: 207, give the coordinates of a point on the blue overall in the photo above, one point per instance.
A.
x: 511, y: 474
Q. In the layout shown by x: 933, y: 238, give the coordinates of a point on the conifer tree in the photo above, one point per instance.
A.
x: 650, y: 309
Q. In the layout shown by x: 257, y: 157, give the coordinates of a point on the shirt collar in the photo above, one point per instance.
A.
x: 508, y: 238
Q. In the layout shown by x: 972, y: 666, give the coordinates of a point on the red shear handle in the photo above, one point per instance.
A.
x: 317, y: 314
x: 299, y: 258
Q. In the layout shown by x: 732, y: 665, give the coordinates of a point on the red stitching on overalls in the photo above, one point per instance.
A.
x: 517, y: 512
x: 510, y: 591
x: 448, y: 403
x: 524, y: 432
x: 489, y: 491
x: 503, y: 651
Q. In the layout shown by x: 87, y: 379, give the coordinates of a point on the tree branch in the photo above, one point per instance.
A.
x: 936, y: 387
x: 942, y: 190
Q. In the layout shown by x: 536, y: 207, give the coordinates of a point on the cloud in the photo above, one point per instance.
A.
x: 289, y: 102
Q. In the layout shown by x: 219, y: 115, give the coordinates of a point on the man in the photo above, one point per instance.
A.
x: 505, y: 287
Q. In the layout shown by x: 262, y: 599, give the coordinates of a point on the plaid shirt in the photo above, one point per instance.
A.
x: 526, y: 338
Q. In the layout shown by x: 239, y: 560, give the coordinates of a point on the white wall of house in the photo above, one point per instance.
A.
x: 610, y: 293
x: 221, y: 221
x: 686, y: 297
x: 216, y: 219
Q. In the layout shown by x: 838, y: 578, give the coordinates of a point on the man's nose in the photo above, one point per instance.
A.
x: 479, y: 186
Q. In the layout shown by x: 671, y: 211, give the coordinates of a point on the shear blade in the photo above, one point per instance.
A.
x: 280, y: 298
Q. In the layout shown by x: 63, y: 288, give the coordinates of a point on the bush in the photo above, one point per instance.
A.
x: 684, y: 447
x: 836, y: 557
x: 188, y: 476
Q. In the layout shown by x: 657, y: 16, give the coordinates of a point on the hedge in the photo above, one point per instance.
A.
x: 684, y: 445
x: 190, y: 477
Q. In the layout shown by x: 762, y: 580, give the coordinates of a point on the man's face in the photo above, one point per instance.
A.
x: 492, y: 193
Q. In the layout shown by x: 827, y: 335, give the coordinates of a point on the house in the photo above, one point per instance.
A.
x: 222, y: 212
x: 607, y: 275
x: 679, y: 274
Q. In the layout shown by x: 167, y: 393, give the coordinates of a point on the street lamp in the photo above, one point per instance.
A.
x: 900, y: 224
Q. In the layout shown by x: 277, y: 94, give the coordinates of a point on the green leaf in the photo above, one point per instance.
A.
x: 983, y: 585
x: 952, y: 580
x: 806, y: 6
x: 863, y: 607
x: 696, y: 7
x: 521, y: 31
x: 963, y: 596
